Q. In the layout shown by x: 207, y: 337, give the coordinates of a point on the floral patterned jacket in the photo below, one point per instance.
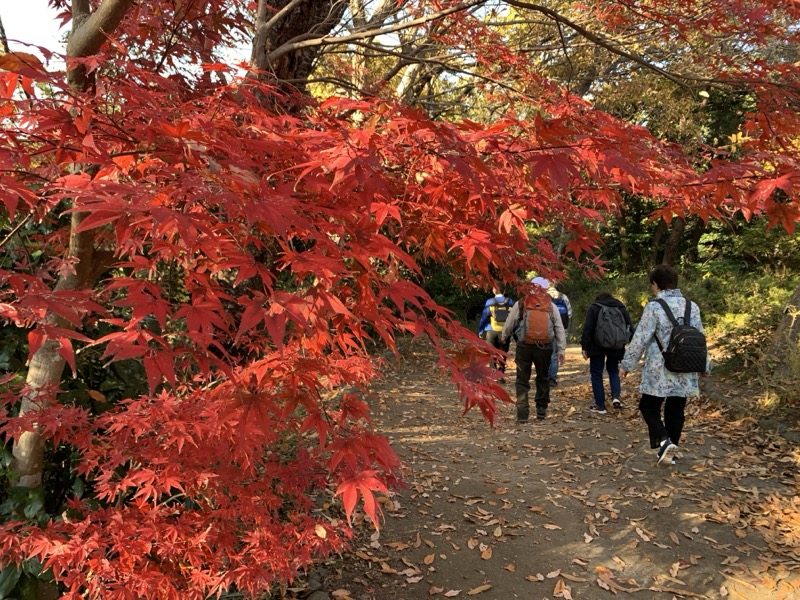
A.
x: 656, y: 379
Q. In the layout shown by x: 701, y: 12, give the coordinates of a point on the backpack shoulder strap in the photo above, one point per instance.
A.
x: 665, y: 306
x: 671, y: 317
x: 687, y: 314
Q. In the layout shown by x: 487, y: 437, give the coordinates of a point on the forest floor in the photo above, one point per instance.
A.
x: 573, y: 506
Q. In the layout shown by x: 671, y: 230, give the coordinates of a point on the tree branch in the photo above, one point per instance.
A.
x: 606, y: 43
x: 303, y: 42
x: 89, y: 30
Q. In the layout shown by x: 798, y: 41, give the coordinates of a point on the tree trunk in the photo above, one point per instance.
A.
x: 47, y: 365
x: 89, y: 31
x: 284, y: 22
x: 673, y: 243
x: 698, y: 229
x: 624, y: 249
x: 658, y: 234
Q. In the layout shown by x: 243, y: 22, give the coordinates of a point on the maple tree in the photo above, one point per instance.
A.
x: 251, y: 249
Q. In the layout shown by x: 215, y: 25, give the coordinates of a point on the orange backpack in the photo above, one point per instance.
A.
x: 537, y: 324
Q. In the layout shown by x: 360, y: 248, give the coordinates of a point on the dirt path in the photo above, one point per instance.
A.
x: 573, y: 506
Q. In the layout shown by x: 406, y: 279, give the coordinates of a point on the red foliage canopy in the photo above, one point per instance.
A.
x: 251, y: 258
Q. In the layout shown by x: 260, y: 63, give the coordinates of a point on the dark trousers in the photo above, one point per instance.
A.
x: 674, y: 417
x: 538, y: 358
x: 493, y: 337
x: 611, y: 364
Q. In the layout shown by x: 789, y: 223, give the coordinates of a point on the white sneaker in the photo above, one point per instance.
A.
x: 616, y: 403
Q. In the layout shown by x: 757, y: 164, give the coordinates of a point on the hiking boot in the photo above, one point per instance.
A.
x: 541, y: 411
x: 522, y: 415
x: 616, y: 403
x: 599, y: 410
x: 665, y: 453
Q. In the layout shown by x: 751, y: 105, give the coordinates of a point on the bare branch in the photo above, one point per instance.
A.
x: 604, y: 42
x: 303, y: 41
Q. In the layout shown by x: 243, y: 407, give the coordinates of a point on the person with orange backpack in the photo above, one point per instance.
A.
x: 535, y: 324
x: 493, y: 319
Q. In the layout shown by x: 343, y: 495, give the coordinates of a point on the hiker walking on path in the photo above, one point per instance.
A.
x: 493, y: 319
x: 661, y: 386
x: 562, y: 302
x: 536, y: 325
x: 606, y: 330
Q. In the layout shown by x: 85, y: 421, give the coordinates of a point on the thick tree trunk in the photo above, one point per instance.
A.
x: 673, y: 243
x: 284, y: 22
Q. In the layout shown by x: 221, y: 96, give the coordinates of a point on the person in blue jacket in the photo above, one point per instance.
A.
x: 493, y: 318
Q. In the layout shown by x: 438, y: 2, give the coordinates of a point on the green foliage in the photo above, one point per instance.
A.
x: 740, y: 246
x: 439, y: 283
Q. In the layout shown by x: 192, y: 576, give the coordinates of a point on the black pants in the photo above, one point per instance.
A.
x: 538, y: 357
x: 674, y: 417
x: 493, y: 337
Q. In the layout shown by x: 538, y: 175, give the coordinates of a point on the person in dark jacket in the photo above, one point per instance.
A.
x: 601, y: 357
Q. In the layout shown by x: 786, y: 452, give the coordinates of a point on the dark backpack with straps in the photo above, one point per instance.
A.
x: 611, y: 331
x: 686, y: 351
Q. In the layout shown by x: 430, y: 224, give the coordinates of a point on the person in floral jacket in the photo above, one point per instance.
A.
x: 660, y: 386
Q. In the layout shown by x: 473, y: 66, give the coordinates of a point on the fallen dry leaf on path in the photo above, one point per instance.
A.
x: 574, y: 578
x: 480, y: 589
x: 385, y: 568
x: 562, y: 590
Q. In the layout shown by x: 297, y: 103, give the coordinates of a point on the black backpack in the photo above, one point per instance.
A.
x: 686, y: 351
x: 611, y: 331
x: 498, y: 315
